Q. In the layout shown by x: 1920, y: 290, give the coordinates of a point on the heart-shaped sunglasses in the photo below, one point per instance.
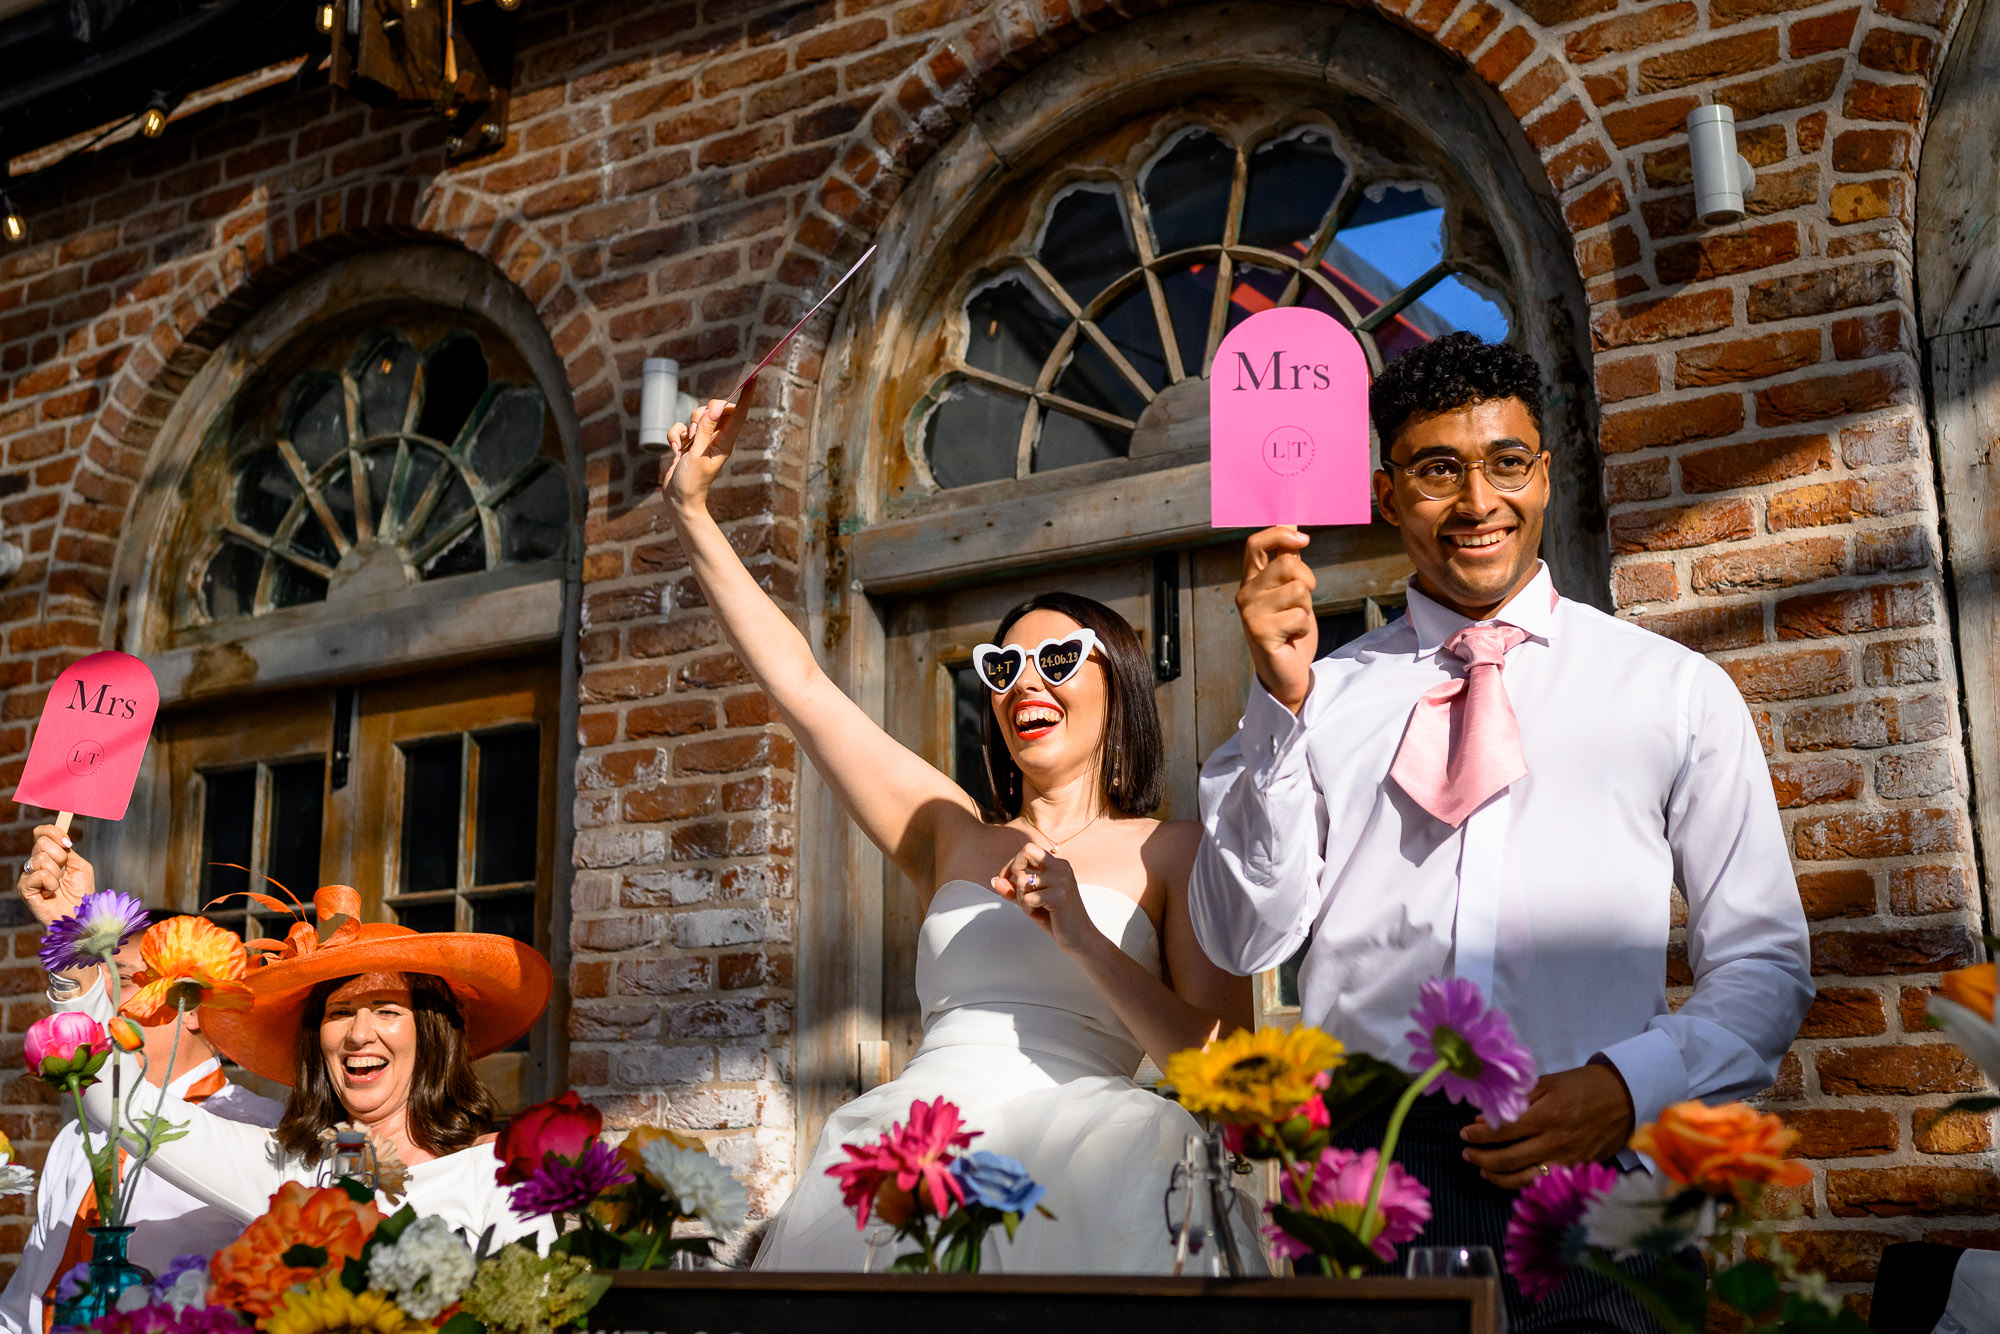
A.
x: 1056, y: 660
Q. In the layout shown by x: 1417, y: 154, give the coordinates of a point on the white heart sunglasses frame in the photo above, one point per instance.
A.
x: 1088, y: 637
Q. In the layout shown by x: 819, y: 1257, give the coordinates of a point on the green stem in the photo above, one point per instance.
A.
x: 159, y: 1106
x: 98, y: 1177
x: 653, y: 1251
x: 1389, y: 1136
x: 1652, y: 1301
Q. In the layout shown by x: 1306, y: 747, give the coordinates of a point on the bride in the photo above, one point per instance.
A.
x: 1055, y: 949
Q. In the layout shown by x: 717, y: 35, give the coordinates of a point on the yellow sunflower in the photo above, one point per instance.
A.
x: 1253, y: 1079
x: 323, y: 1307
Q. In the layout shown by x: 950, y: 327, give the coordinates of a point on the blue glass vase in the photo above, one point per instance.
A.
x: 110, y: 1274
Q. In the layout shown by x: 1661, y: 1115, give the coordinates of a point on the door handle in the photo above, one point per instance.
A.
x: 1167, y: 616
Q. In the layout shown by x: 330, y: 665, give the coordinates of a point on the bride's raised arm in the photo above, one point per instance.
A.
x: 901, y: 802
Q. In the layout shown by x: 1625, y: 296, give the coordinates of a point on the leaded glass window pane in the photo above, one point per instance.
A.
x: 1123, y: 280
x: 455, y: 473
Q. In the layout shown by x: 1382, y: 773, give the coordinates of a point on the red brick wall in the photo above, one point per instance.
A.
x: 678, y: 177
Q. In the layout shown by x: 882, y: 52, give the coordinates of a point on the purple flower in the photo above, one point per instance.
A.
x: 561, y: 1185
x: 1544, y: 1215
x: 1485, y: 1064
x: 101, y: 923
x: 74, y: 1282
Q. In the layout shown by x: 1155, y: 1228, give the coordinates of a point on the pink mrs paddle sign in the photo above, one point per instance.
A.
x: 86, y: 752
x: 1288, y: 423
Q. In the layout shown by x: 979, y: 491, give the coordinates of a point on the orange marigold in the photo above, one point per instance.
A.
x: 250, y: 1274
x: 185, y: 962
x: 1972, y: 987
x: 1718, y: 1148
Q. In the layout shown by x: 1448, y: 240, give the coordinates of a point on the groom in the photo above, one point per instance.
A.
x: 1503, y: 786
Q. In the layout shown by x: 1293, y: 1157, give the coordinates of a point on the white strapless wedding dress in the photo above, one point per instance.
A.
x: 1022, y: 1041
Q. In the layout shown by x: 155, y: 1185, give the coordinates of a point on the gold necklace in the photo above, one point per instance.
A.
x: 1054, y: 846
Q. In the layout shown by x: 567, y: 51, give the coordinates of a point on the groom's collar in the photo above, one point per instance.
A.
x: 1532, y: 609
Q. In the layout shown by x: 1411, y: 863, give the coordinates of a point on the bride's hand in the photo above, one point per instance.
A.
x: 701, y: 449
x: 1044, y: 887
x: 56, y: 878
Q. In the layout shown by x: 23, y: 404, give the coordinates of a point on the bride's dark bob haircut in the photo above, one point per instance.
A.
x: 1132, y: 749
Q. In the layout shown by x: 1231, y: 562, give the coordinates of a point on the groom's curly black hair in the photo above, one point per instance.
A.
x: 1454, y: 371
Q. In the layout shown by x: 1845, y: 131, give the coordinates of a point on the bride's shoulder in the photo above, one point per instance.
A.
x: 1168, y: 848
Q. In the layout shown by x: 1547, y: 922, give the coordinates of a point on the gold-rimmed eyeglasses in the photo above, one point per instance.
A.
x: 1443, y: 476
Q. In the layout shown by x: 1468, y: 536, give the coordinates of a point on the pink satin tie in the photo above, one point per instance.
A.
x: 1462, y: 744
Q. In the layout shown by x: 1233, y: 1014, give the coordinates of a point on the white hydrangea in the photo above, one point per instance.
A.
x: 425, y: 1270
x: 1632, y: 1217
x: 703, y: 1187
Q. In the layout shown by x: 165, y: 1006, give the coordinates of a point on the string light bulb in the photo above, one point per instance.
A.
x: 325, y: 18
x: 508, y: 4
x: 12, y: 225
x: 153, y: 121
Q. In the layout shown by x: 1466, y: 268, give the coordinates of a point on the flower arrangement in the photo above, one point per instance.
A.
x: 185, y: 962
x: 1714, y: 1166
x: 1281, y: 1095
x: 915, y: 1179
x: 624, y: 1203
x: 327, y: 1260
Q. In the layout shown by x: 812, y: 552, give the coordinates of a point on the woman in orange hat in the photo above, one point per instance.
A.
x: 372, y: 1025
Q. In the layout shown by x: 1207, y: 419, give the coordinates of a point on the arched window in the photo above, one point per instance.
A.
x: 1121, y: 287
x: 386, y: 460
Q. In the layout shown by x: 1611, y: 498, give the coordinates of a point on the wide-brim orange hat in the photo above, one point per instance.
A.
x: 502, y: 986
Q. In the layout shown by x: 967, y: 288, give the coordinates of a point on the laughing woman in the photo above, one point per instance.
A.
x: 371, y: 1024
x: 1055, y: 948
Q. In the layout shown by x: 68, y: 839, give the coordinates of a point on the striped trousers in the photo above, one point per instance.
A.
x: 1468, y: 1211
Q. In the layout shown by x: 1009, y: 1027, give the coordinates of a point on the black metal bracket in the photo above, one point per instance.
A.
x: 1167, y: 616
x: 343, y: 737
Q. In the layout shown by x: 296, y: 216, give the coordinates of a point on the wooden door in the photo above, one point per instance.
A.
x: 433, y: 795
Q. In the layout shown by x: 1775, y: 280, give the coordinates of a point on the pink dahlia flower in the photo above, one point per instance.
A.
x: 1339, y: 1193
x: 1486, y: 1065
x: 916, y: 1156
x: 1543, y: 1215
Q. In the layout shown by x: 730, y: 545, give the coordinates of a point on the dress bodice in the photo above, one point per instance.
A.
x: 988, y: 975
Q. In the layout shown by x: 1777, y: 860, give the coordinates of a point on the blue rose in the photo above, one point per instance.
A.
x: 996, y: 1181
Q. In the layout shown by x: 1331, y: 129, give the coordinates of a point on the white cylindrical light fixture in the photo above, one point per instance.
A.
x: 661, y: 402
x: 1722, y: 176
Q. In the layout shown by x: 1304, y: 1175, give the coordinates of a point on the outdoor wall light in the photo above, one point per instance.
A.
x: 1722, y: 176
x: 153, y: 121
x: 12, y: 225
x: 662, y: 402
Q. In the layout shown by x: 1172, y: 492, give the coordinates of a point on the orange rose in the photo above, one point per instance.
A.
x: 1971, y: 987
x: 1718, y: 1148
x: 250, y: 1274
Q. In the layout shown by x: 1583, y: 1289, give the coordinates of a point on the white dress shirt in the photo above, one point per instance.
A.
x: 1644, y: 771
x: 167, y: 1222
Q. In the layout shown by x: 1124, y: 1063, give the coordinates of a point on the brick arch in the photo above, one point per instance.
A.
x: 217, y: 295
x: 1504, y: 47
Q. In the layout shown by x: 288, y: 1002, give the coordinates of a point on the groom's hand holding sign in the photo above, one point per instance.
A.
x: 1275, y: 602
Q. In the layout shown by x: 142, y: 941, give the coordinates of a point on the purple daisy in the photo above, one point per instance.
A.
x: 75, y: 1281
x: 560, y: 1185
x: 1486, y: 1065
x: 101, y: 923
x: 1544, y: 1214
